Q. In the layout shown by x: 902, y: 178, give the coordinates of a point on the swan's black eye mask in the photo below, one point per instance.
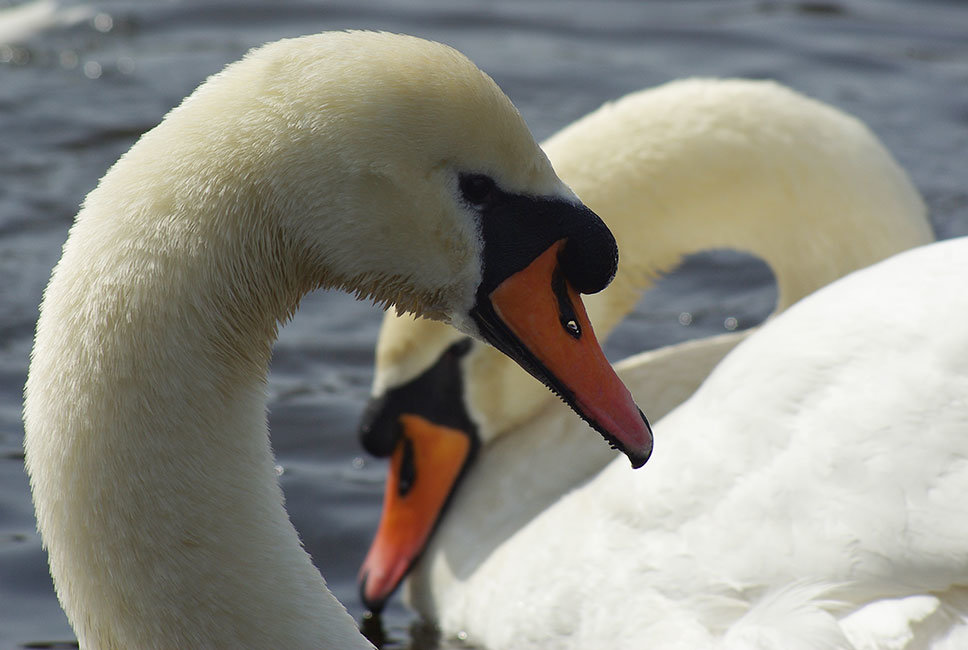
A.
x: 539, y: 253
x: 517, y: 228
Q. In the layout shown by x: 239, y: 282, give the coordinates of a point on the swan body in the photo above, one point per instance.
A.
x: 371, y: 162
x: 809, y: 494
x: 688, y: 166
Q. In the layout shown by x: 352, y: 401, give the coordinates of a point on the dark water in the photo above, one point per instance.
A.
x: 80, y: 81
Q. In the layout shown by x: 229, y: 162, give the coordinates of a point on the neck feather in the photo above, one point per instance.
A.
x: 147, y: 446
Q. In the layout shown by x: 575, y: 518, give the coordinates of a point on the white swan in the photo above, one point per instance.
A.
x: 810, y: 494
x: 383, y: 164
x: 684, y: 167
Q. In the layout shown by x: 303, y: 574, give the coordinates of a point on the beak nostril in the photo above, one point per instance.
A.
x: 566, y: 310
x: 408, y: 468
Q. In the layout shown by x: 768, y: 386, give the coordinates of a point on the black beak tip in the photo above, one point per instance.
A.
x: 639, y: 459
x: 372, y: 628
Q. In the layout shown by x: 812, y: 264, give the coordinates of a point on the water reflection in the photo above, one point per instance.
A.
x: 420, y: 636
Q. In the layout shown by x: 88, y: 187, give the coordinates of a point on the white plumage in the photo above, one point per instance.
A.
x: 809, y: 494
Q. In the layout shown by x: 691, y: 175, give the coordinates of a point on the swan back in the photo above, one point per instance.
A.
x: 819, y: 469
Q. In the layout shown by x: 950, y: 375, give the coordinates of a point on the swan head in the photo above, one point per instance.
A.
x: 462, y: 215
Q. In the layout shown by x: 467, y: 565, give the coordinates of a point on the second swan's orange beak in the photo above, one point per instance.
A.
x: 424, y: 469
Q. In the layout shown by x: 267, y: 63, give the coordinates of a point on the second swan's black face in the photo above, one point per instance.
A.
x: 436, y: 394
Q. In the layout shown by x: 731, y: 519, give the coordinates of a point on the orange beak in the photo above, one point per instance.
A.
x: 424, y: 467
x: 549, y: 334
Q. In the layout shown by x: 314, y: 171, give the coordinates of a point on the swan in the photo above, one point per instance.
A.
x: 810, y: 494
x: 687, y: 166
x: 378, y: 163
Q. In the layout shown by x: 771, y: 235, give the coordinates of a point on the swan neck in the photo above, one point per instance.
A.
x: 147, y: 446
x: 699, y: 165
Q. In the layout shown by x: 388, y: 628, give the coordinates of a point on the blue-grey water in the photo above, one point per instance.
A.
x: 79, y: 81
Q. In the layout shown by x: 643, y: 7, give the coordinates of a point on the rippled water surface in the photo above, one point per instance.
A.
x: 80, y: 81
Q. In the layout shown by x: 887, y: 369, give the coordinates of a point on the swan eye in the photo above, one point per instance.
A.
x: 476, y: 189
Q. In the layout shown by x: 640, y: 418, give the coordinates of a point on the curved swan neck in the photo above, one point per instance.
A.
x: 146, y: 443
x: 698, y: 165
